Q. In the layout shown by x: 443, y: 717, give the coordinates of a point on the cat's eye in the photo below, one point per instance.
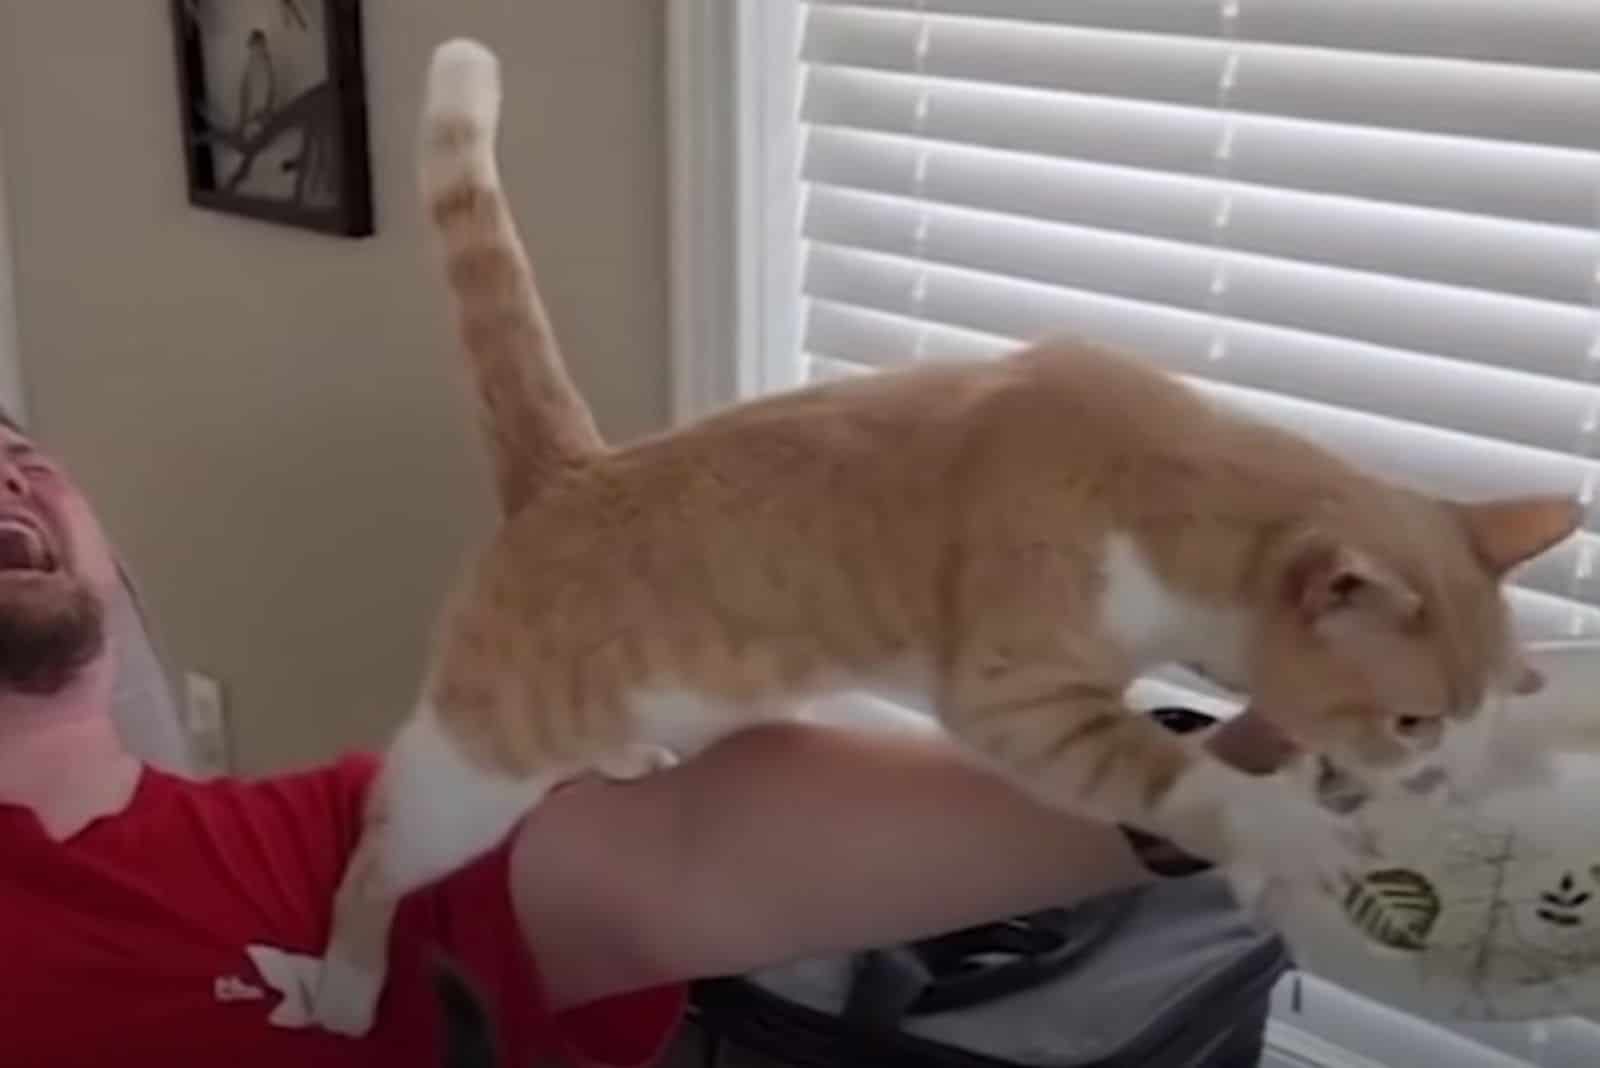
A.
x: 1409, y: 724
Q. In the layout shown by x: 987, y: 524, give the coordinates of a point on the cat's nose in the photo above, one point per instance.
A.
x: 1337, y: 790
x: 1425, y: 736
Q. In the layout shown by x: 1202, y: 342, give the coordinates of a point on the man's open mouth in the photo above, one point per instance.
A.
x: 24, y: 546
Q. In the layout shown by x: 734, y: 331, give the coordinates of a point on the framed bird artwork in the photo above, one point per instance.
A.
x: 272, y: 95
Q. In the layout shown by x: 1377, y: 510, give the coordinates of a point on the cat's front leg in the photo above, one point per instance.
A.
x: 1264, y: 829
x: 1071, y: 740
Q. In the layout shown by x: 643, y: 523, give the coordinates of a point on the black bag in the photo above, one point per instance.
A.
x: 1170, y: 975
x: 1166, y: 976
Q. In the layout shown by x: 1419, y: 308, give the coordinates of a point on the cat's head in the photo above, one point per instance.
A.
x: 1384, y: 634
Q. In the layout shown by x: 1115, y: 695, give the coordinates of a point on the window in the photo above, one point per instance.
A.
x: 11, y: 395
x: 1373, y: 222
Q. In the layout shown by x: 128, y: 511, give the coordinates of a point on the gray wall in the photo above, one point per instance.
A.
x: 271, y: 421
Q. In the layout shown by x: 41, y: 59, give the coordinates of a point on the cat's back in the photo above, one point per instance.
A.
x: 934, y: 409
x: 841, y: 490
x: 904, y: 447
x: 882, y: 459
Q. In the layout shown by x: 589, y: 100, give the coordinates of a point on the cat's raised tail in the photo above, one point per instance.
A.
x: 534, y: 420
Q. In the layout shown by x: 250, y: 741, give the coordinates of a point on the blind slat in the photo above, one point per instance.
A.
x: 1499, y: 101
x: 1473, y: 325
x: 1514, y: 181
x: 1546, y: 33
x: 1526, y: 259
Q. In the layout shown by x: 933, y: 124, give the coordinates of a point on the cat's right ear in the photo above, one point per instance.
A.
x: 1507, y: 533
x: 1328, y: 583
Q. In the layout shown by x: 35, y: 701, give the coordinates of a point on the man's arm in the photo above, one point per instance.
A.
x: 790, y: 841
x: 784, y: 842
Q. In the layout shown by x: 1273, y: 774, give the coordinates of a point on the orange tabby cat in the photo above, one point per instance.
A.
x: 1008, y: 542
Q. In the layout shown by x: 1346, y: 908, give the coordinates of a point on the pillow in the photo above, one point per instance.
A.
x: 143, y: 705
x: 1482, y: 911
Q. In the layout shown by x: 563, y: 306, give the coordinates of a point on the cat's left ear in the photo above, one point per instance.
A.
x: 1331, y: 583
x: 1509, y: 532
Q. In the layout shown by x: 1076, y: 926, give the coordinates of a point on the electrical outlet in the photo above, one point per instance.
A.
x: 206, y: 719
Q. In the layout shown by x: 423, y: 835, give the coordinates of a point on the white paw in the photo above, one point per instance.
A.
x: 1269, y: 833
x: 635, y: 761
x: 346, y: 1000
x: 1292, y: 845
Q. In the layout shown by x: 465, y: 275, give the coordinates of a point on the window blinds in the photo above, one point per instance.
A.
x: 1373, y: 221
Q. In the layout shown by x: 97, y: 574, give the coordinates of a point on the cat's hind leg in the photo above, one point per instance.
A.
x: 431, y: 812
x: 438, y: 810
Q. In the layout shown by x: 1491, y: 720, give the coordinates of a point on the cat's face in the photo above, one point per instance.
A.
x: 1383, y: 646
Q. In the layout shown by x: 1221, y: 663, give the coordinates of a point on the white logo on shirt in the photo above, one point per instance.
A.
x: 232, y: 988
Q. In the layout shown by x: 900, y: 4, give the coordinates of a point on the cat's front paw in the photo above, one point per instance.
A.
x: 1284, y: 844
x: 1267, y: 831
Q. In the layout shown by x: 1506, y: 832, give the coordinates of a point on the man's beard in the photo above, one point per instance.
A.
x: 48, y: 634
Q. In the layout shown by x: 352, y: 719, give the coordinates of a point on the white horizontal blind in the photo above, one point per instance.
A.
x: 1372, y: 221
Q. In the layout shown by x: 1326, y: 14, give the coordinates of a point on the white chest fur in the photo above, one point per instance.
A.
x: 1159, y: 626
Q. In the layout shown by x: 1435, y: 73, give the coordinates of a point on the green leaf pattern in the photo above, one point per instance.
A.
x: 1395, y: 907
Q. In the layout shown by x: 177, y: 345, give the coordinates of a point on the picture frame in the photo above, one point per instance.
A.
x: 273, y: 110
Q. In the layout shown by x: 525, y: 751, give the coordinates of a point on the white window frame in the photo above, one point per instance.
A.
x: 12, y: 393
x: 726, y: 185
x: 730, y: 69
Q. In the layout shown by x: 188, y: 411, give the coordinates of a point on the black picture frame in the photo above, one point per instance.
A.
x: 332, y: 191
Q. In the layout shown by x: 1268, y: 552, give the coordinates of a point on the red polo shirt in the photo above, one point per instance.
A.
x: 178, y: 931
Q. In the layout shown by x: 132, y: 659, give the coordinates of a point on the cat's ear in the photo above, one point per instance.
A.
x: 1509, y: 532
x: 1328, y: 582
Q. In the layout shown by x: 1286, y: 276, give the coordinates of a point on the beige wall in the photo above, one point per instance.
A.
x: 270, y: 419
